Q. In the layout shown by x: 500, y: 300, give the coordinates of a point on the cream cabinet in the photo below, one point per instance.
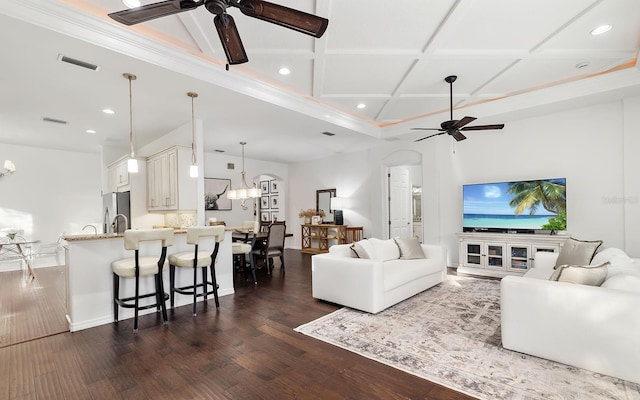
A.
x: 498, y: 255
x: 118, y: 175
x: 169, y: 186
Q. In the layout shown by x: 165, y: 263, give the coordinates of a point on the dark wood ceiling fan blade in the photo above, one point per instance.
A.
x: 284, y: 16
x: 140, y: 14
x: 463, y: 122
x: 482, y: 127
x: 458, y: 136
x: 430, y: 136
x: 426, y: 129
x: 230, y: 39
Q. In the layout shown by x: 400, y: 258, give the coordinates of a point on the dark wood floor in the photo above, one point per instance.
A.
x: 246, y: 350
x: 32, y: 309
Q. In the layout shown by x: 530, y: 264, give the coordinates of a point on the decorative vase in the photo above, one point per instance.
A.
x: 307, y: 220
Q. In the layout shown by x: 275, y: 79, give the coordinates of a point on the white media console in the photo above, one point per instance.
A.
x: 502, y: 254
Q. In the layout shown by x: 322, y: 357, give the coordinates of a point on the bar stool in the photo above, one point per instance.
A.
x: 194, y: 260
x: 138, y: 267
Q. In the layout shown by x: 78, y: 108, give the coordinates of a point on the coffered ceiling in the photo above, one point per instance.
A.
x: 512, y: 58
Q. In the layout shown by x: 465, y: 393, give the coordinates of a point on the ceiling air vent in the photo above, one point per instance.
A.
x: 55, y: 121
x: 79, y: 63
x: 328, y: 133
x: 231, y: 166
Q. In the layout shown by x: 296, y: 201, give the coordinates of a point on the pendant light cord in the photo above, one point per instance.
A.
x: 130, y: 77
x: 193, y: 95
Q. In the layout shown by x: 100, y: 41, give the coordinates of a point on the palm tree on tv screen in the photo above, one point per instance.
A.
x: 533, y: 194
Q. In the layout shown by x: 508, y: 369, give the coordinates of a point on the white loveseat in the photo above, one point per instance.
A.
x: 379, y: 281
x: 592, y: 327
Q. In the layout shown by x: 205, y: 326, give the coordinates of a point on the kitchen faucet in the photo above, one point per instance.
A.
x: 95, y: 230
x: 114, y: 224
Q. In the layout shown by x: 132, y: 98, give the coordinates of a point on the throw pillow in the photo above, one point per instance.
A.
x: 363, y: 249
x: 409, y: 248
x: 592, y: 275
x: 577, y: 252
x: 384, y: 249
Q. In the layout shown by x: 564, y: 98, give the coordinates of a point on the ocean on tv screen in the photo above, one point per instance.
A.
x: 505, y: 221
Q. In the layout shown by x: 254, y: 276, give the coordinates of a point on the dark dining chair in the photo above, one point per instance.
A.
x: 274, y: 246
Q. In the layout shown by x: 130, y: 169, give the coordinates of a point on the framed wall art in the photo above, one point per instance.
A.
x: 215, y: 194
x: 274, y: 216
x: 265, y: 216
x: 273, y: 186
x: 264, y: 186
x: 274, y: 201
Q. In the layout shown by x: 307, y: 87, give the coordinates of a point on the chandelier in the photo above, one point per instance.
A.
x: 244, y: 192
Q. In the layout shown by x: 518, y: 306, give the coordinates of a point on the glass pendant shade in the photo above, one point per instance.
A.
x: 193, y: 171
x: 132, y: 165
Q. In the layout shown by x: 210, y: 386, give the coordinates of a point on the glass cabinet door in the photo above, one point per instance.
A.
x: 495, y: 257
x: 519, y: 257
x: 474, y: 254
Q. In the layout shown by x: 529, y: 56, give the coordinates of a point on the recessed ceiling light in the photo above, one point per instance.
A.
x: 108, y: 111
x: 131, y: 3
x: 361, y: 105
x: 601, y: 29
x: 284, y: 71
x: 90, y: 131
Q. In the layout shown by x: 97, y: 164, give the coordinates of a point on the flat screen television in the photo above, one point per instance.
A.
x: 515, y: 207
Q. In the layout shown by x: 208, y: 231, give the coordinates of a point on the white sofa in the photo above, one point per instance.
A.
x: 592, y: 327
x: 377, y: 282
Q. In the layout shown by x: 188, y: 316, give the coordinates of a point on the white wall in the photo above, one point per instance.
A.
x: 215, y: 166
x: 51, y: 191
x: 594, y: 147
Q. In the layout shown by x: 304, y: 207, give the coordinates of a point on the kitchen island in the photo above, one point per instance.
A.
x: 90, y: 280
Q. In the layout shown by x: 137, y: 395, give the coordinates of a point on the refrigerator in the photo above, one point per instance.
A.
x: 112, y: 205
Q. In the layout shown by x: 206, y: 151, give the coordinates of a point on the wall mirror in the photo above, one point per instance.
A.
x: 323, y: 202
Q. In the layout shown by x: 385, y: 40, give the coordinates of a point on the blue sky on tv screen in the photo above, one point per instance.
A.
x: 493, y: 199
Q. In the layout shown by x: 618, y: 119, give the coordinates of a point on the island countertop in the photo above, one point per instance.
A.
x: 99, y: 236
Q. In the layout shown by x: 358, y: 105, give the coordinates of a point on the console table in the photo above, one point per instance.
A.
x: 318, y: 238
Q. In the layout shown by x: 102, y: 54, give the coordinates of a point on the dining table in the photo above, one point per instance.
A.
x: 19, y: 249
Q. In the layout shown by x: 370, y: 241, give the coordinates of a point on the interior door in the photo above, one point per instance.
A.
x: 400, y: 219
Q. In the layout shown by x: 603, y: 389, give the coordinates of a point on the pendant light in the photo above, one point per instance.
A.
x: 244, y: 192
x: 132, y: 163
x: 193, y: 170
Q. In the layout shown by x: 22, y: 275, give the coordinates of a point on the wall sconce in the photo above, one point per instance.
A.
x: 9, y: 168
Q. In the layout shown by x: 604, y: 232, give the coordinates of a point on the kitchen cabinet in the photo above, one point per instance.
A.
x: 118, y: 175
x: 169, y: 186
x: 498, y: 255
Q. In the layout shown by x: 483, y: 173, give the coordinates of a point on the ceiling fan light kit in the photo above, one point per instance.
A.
x: 454, y: 126
x: 299, y: 21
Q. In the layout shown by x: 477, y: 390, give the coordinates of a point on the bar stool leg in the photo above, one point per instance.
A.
x: 116, y: 292
x: 160, y: 296
x: 136, y: 303
x: 195, y: 288
x: 215, y: 284
x: 204, y: 283
x: 172, y: 283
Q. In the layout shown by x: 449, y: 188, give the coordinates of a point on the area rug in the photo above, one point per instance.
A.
x: 450, y: 334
